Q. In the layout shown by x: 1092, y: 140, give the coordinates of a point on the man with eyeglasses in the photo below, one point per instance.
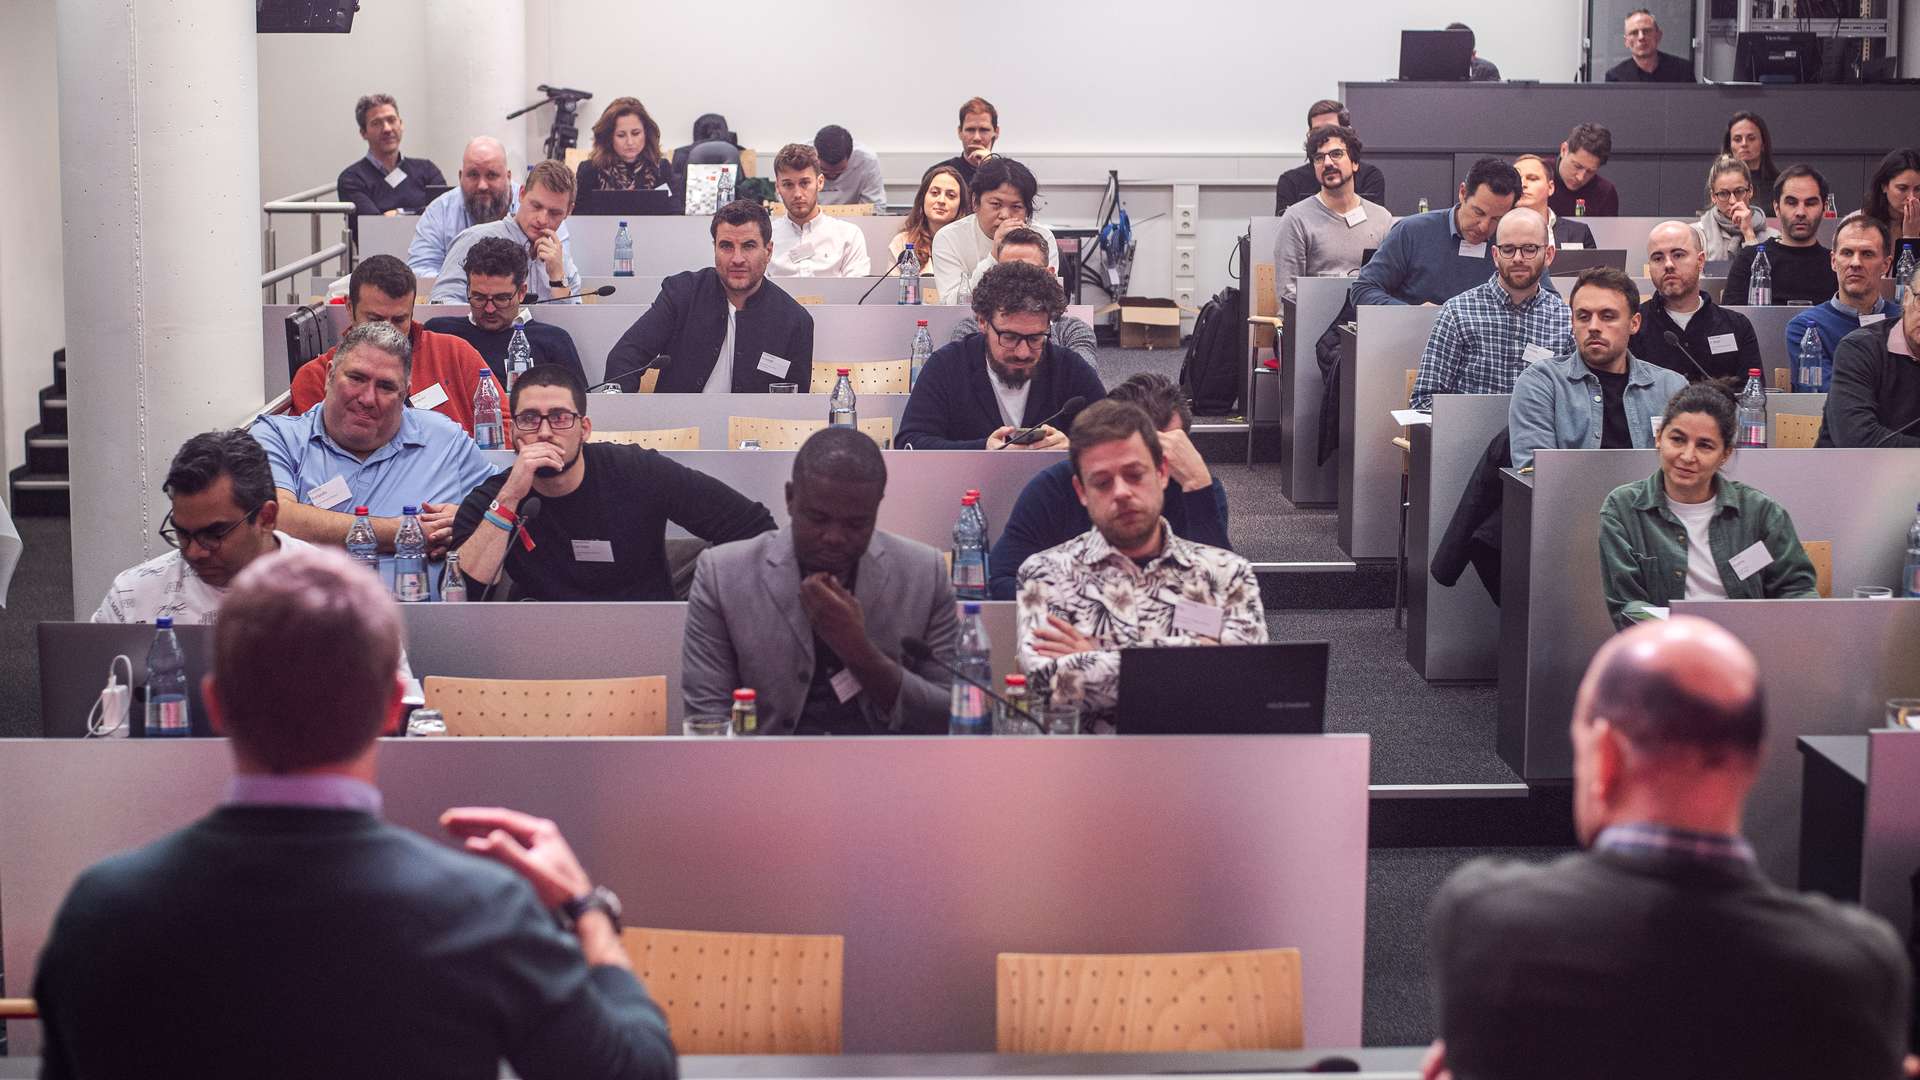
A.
x: 1069, y: 332
x: 1330, y: 232
x: 1645, y: 62
x: 496, y: 287
x: 601, y: 531
x: 1009, y: 385
x: 223, y: 518
x: 1483, y: 338
x: 1721, y: 341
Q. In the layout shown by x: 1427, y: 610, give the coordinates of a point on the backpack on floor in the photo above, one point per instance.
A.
x: 1211, y: 373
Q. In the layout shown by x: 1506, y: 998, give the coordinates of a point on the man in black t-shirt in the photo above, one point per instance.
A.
x: 1647, y: 63
x: 1802, y: 266
x: 1301, y: 182
x: 496, y: 288
x: 601, y: 530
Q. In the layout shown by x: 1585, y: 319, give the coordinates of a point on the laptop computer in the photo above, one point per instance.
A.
x: 1275, y: 689
x: 73, y: 667
x: 625, y: 203
x: 1573, y: 261
x: 1435, y: 55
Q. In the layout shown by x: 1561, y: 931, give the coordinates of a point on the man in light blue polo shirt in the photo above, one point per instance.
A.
x: 364, y: 447
x: 545, y: 201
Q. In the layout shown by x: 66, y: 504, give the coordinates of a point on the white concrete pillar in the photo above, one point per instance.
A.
x: 476, y: 78
x: 160, y: 165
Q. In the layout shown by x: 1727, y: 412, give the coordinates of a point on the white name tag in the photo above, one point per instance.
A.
x: 329, y: 495
x: 1722, y: 343
x: 1473, y: 251
x: 1571, y: 245
x: 774, y: 365
x: 1200, y: 620
x: 1533, y: 354
x: 845, y: 686
x: 1656, y: 426
x: 1410, y: 417
x: 396, y: 177
x: 1751, y: 561
x: 1869, y: 320
x: 432, y: 397
x: 593, y: 551
x: 1356, y: 217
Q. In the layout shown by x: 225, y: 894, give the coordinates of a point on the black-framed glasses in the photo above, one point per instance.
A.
x: 1335, y: 154
x: 1524, y: 251
x: 1734, y: 194
x: 208, y: 539
x: 558, y: 420
x: 1009, y: 339
x: 490, y: 300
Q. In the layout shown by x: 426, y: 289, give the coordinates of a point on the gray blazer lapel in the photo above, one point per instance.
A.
x: 874, y: 591
x: 780, y: 577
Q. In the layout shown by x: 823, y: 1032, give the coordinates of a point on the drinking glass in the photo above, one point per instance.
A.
x: 707, y: 727
x: 783, y: 388
x: 1872, y: 592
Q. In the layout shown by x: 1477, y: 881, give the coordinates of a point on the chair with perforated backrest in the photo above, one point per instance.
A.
x: 630, y: 706
x: 743, y: 993
x: 1149, y: 1003
x: 1266, y: 304
x: 873, y: 377
x: 1820, y: 554
x: 680, y: 438
x: 782, y: 434
x: 1793, y: 431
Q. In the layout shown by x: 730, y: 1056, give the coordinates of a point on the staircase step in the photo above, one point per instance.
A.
x: 46, y: 453
x: 60, y: 370
x: 53, y: 411
x: 39, y: 494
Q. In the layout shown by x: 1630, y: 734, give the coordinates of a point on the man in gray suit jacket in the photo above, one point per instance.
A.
x: 1661, y: 951
x: 811, y: 616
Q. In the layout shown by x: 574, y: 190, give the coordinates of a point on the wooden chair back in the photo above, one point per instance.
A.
x: 1820, y: 554
x: 1266, y: 301
x: 629, y: 706
x: 680, y: 438
x: 1793, y: 431
x: 1146, y: 1003
x: 779, y: 434
x: 1782, y: 379
x: 743, y: 993
x: 873, y: 377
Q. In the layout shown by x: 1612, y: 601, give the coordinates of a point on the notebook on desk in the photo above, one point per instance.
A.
x: 1279, y: 688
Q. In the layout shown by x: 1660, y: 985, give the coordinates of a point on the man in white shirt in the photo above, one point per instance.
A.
x: 1003, y: 195
x: 223, y: 518
x: 808, y: 242
x: 852, y: 171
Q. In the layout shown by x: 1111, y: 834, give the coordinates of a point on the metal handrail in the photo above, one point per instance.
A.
x: 304, y: 202
x: 280, y: 403
x: 282, y: 273
x: 310, y: 193
x: 289, y: 206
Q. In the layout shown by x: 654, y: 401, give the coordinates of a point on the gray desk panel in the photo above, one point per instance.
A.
x: 1453, y: 634
x: 1303, y: 480
x: 1371, y: 386
x: 709, y: 412
x: 1890, y: 851
x: 1202, y: 841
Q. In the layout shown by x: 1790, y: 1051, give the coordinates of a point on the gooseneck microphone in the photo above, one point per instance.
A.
x: 604, y: 290
x: 884, y: 275
x: 1673, y: 339
x: 1895, y: 433
x: 658, y: 361
x: 919, y: 652
x: 1074, y: 404
x: 529, y: 509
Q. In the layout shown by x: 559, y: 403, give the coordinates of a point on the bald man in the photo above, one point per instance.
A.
x: 1661, y: 951
x: 1486, y: 336
x: 1720, y: 340
x: 486, y: 193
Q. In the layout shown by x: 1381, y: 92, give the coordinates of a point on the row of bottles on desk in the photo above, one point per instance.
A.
x: 410, y: 580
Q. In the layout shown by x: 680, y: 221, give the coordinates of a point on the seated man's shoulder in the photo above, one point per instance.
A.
x: 449, y: 325
x: 903, y: 548
x: 1496, y: 893
x: 952, y: 354
x: 434, y: 428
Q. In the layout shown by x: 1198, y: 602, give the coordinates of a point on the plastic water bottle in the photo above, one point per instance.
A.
x: 909, y: 277
x: 488, y: 431
x: 1760, y: 282
x: 970, y: 552
x: 1810, y: 367
x: 1909, y: 573
x: 453, y: 587
x: 842, y: 406
x: 967, y: 712
x: 922, y: 349
x: 1753, y: 411
x: 519, y: 357
x: 362, y: 546
x: 980, y: 512
x: 623, y: 252
x: 1903, y: 274
x: 1833, y: 210
x: 410, y: 558
x: 166, y: 684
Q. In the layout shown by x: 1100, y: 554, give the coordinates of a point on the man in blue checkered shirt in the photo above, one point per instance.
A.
x: 1485, y: 337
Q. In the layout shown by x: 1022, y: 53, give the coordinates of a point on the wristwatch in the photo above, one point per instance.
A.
x: 600, y: 899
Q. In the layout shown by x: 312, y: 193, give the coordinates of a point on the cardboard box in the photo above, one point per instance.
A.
x: 1146, y: 322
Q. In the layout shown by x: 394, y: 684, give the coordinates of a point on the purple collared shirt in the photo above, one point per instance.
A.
x: 1646, y: 838
x: 317, y: 790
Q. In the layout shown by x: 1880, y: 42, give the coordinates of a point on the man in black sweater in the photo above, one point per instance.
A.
x: 724, y: 328
x: 1801, y: 265
x: 1662, y: 951
x: 292, y: 933
x: 496, y: 287
x: 1874, y: 396
x: 601, y: 533
x: 1646, y: 62
x: 979, y: 392
x: 1301, y: 182
x: 1710, y: 337
x: 383, y: 182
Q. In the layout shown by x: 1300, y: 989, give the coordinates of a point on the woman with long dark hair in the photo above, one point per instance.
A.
x: 626, y: 150
x: 1893, y: 196
x: 1748, y: 139
x: 942, y: 200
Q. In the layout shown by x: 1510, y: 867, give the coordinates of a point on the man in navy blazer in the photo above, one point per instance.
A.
x: 292, y: 933
x: 975, y: 393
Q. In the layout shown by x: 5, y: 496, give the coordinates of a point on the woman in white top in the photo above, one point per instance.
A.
x: 1003, y: 196
x: 941, y: 201
x: 1731, y: 221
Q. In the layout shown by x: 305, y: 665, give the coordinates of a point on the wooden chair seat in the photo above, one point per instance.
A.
x: 743, y: 993
x: 1820, y: 554
x: 549, y: 707
x: 1793, y: 431
x: 1170, y: 1002
x: 784, y: 434
x: 873, y: 377
x: 684, y: 438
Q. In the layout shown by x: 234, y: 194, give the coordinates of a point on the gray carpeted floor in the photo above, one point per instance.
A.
x: 42, y: 591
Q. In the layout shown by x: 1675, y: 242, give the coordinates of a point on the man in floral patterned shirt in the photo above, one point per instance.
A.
x: 1129, y: 580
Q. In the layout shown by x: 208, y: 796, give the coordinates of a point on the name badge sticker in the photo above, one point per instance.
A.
x: 593, y: 551
x: 1533, y: 354
x: 1876, y: 317
x: 1722, y: 343
x: 1473, y: 251
x: 330, y: 494
x: 1355, y: 217
x: 397, y: 177
x: 1200, y: 620
x: 774, y: 365
x: 1751, y: 561
x: 845, y: 686
x: 431, y: 398
x: 1572, y: 245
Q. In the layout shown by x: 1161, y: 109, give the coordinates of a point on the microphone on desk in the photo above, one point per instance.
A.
x: 604, y: 290
x: 919, y: 652
x: 1073, y: 404
x: 529, y: 509
x: 1673, y: 339
x: 612, y: 386
x: 1889, y: 436
x: 884, y: 274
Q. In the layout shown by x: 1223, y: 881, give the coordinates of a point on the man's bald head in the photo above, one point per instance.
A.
x: 1680, y: 685
x: 485, y: 183
x: 1521, y: 225
x: 1675, y: 262
x: 1673, y: 234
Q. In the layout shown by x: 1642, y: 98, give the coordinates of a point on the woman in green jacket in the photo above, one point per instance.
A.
x: 1688, y: 533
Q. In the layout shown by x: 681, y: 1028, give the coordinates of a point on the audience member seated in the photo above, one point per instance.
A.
x: 979, y: 131
x: 1536, y: 194
x: 445, y: 371
x: 1875, y: 396
x: 1601, y: 396
x: 1068, y: 331
x: 1689, y: 533
x: 626, y: 151
x: 1860, y: 247
x: 726, y: 328
x: 1713, y: 342
x: 1328, y: 233
x: 811, y: 616
x: 1577, y: 178
x: 384, y: 182
x: 1128, y: 581
x: 496, y: 284
x: 1748, y: 139
x: 1003, y: 194
x: 545, y: 201
x: 601, y: 530
x: 1049, y: 514
x: 1893, y: 196
x: 222, y: 518
x: 1303, y: 181
x: 980, y: 391
x: 364, y: 447
x: 851, y: 171
x: 942, y: 200
x: 486, y: 193
x: 1731, y: 222
x: 1485, y: 337
x: 1479, y: 69
x: 312, y: 916
x: 1802, y: 266
x: 715, y: 143
x: 1661, y: 950
x: 808, y: 241
x: 1647, y: 63
x: 1433, y: 257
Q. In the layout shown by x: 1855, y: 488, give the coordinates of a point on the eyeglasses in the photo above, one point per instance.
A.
x: 1335, y: 154
x: 1010, y: 340
x: 1732, y: 194
x: 558, y: 420
x: 208, y: 539
x: 490, y: 300
x: 1524, y: 251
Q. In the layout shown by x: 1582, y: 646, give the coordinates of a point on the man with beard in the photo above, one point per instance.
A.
x: 486, y: 193
x: 981, y: 391
x: 601, y: 531
x: 1862, y: 255
x: 1536, y: 191
x: 1433, y: 257
x: 496, y: 286
x: 1128, y: 581
x: 1721, y: 341
x: 1328, y: 233
x: 1303, y: 181
x: 546, y: 199
x: 1802, y: 266
x: 1486, y: 336
x: 384, y: 182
